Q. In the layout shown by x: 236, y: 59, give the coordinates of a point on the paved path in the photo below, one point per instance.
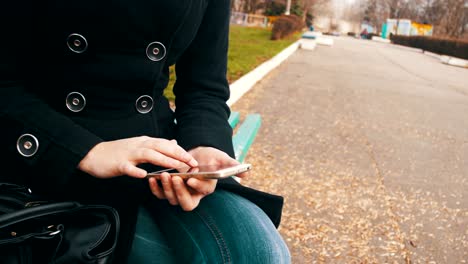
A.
x: 368, y: 143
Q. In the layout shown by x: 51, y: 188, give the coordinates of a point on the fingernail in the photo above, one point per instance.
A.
x: 176, y: 181
x: 193, y: 162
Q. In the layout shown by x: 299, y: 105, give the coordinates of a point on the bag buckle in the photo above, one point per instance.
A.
x: 51, y: 230
x: 34, y: 203
x: 57, y: 230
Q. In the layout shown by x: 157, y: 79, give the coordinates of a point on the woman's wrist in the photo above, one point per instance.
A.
x: 85, y: 164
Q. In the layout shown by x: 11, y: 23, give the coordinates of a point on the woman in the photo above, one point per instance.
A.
x: 84, y: 118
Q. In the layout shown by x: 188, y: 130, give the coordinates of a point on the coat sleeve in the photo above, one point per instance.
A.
x: 201, y: 88
x: 61, y: 142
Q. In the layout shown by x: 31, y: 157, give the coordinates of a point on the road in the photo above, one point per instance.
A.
x: 368, y: 143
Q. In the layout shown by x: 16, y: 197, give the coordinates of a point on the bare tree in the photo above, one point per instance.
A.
x: 431, y: 12
x: 449, y: 17
x: 355, y: 12
x: 247, y: 6
x: 306, y: 7
x: 321, y: 7
x: 250, y: 6
x: 376, y: 12
x: 404, y: 9
x: 453, y: 22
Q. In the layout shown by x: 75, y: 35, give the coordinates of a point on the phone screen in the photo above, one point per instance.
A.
x: 205, y: 171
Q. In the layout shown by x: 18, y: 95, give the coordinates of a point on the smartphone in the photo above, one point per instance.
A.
x: 204, y: 172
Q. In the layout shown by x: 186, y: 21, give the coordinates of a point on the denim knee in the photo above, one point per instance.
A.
x: 250, y: 235
x: 262, y: 249
x: 224, y: 228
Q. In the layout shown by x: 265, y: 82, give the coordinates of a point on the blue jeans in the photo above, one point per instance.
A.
x: 224, y: 228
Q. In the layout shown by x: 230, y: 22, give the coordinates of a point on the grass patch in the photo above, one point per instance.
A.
x: 248, y: 48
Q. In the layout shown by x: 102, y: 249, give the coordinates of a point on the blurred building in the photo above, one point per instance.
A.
x: 405, y: 27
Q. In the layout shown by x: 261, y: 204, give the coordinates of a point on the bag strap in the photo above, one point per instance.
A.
x: 36, y: 211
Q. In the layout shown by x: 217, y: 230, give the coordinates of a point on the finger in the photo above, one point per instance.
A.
x: 203, y: 187
x: 244, y: 174
x: 234, y: 162
x: 194, y: 170
x: 132, y: 170
x: 168, y: 189
x: 183, y: 195
x: 155, y: 189
x: 146, y: 155
x: 170, y: 149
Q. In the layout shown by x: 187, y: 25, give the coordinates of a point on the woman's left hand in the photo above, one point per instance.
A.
x: 188, y: 193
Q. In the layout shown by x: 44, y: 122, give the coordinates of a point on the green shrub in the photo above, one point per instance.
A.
x: 285, y: 26
x: 444, y: 46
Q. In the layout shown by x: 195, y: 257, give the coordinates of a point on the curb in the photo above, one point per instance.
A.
x: 380, y: 39
x: 246, y: 82
x: 325, y: 41
x: 307, y: 44
x: 312, y: 38
x: 454, y: 61
x: 407, y: 48
x: 432, y: 54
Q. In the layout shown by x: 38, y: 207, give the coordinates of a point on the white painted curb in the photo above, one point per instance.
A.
x: 432, y: 54
x: 407, y: 48
x: 325, y: 41
x: 443, y: 58
x: 308, y: 44
x: 379, y: 39
x: 246, y: 82
x: 454, y: 61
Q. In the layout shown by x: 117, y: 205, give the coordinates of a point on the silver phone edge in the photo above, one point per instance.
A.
x: 202, y: 176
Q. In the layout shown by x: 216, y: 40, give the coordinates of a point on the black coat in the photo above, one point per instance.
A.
x: 73, y: 74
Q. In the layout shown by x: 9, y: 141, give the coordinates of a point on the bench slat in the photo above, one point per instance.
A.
x: 234, y: 119
x: 245, y: 135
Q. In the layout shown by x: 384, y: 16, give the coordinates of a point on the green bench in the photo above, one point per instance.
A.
x: 245, y: 133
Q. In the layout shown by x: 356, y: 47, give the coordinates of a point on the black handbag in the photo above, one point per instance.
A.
x: 37, y: 231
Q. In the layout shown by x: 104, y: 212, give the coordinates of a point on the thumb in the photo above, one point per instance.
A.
x: 243, y: 174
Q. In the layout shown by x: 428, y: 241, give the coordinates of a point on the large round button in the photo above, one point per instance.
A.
x: 156, y: 51
x: 27, y: 145
x: 77, y: 43
x: 75, y: 102
x: 144, y: 104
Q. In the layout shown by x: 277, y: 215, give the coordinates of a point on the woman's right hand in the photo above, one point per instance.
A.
x: 121, y: 157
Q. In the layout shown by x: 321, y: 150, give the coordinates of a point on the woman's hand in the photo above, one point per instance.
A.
x: 212, y: 156
x: 188, y: 193
x: 121, y: 157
